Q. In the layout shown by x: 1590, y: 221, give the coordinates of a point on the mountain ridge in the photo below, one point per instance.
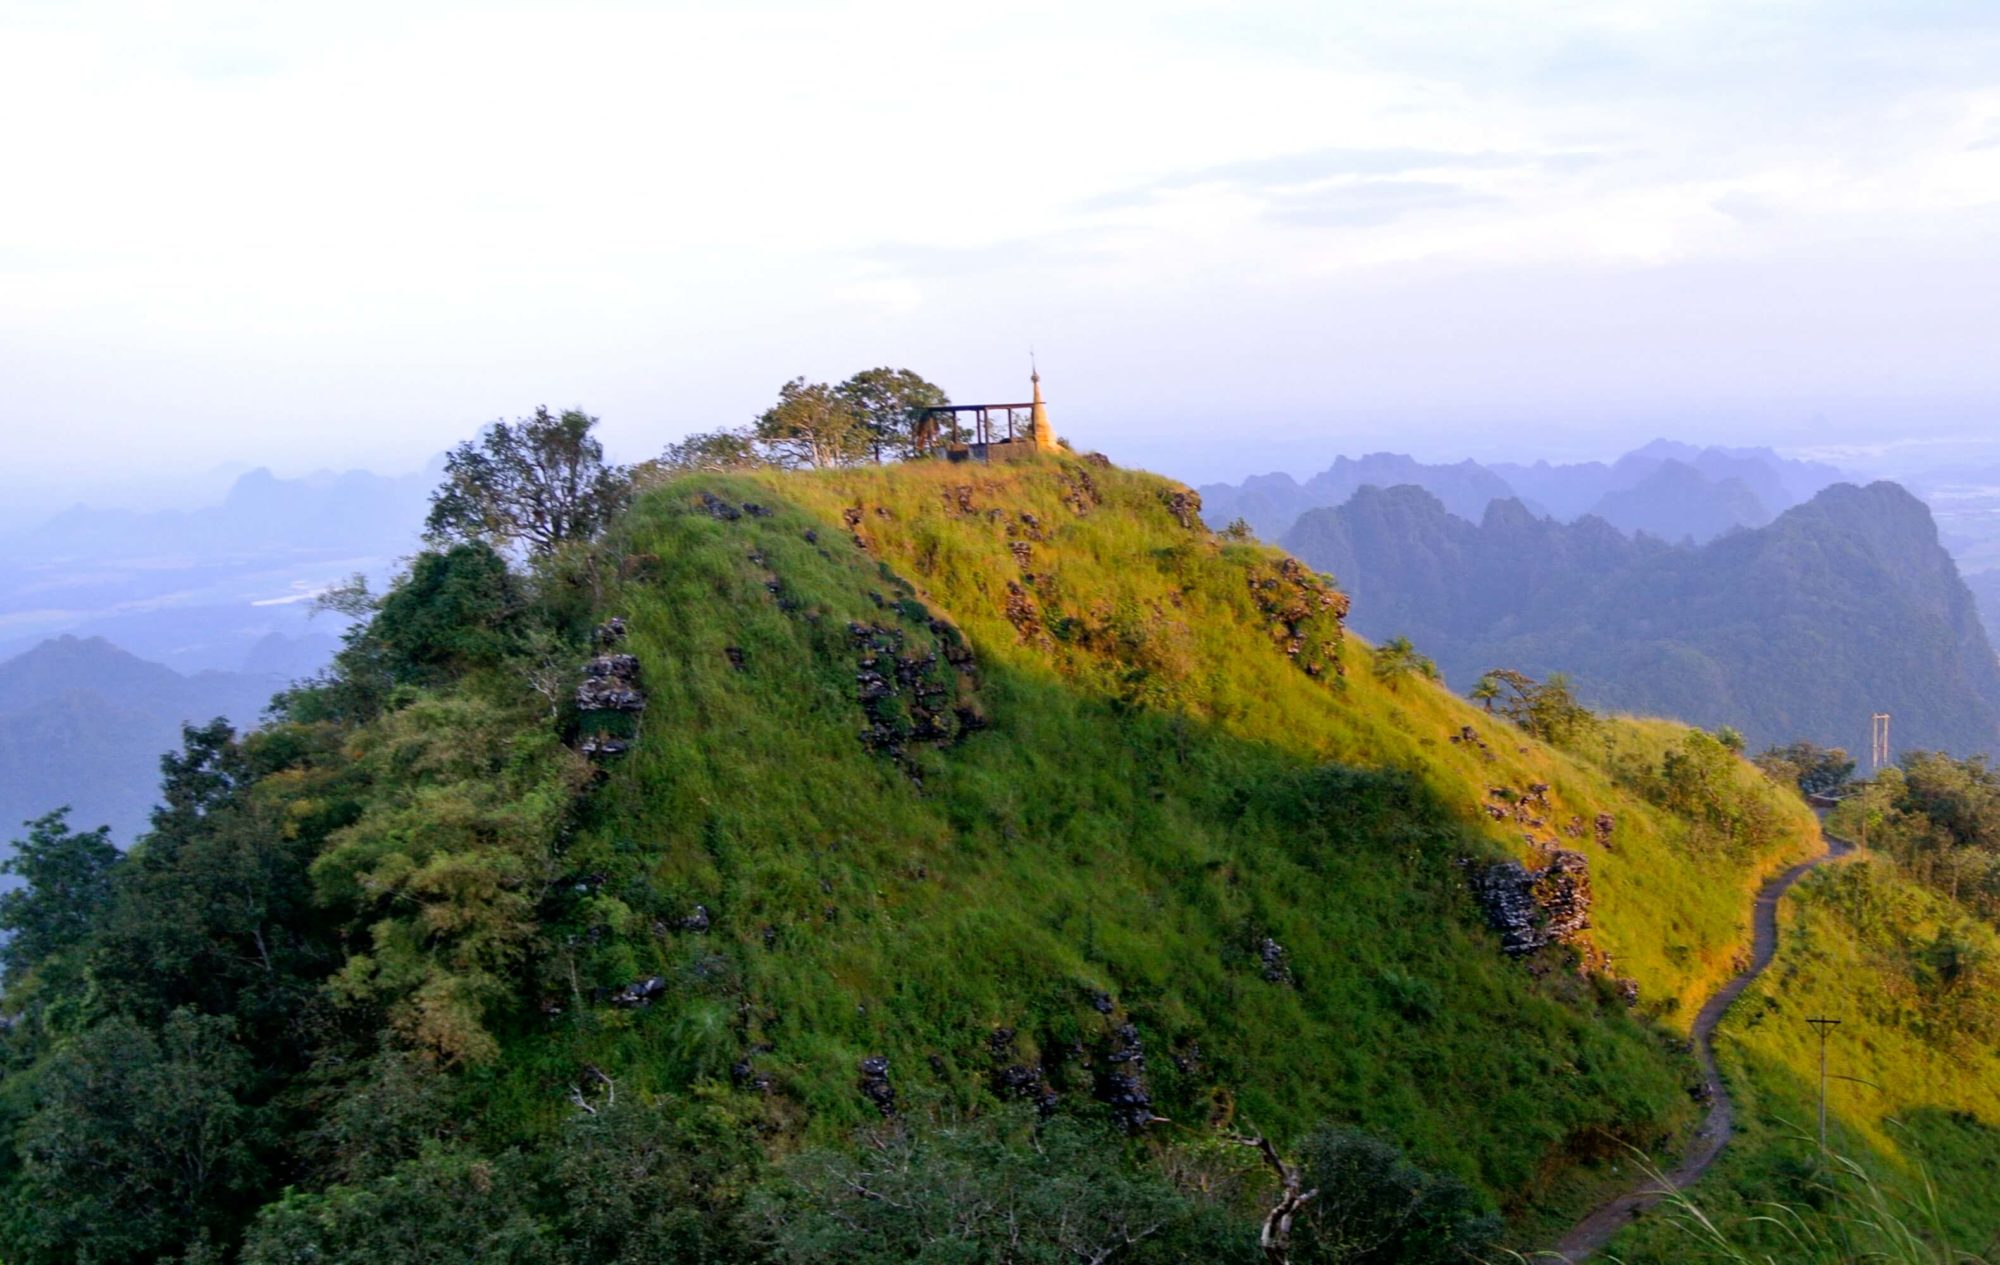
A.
x: 83, y: 724
x: 1850, y: 589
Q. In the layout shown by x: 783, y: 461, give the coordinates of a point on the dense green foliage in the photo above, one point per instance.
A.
x: 952, y: 788
x: 1547, y: 709
x: 1397, y: 658
x: 1373, y: 1207
x: 67, y: 883
x: 1000, y: 1188
x: 1795, y: 629
x: 1940, y: 819
x: 1814, y: 769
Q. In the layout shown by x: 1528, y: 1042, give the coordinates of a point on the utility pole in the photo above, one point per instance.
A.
x: 1825, y: 1026
x: 1878, y: 741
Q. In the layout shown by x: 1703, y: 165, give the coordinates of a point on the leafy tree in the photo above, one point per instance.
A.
x: 541, y: 481
x: 455, y: 610
x: 441, y: 873
x: 372, y: 1114
x: 215, y: 910
x: 813, y: 425
x: 987, y: 1190
x: 1814, y: 769
x: 67, y: 877
x: 1374, y: 1207
x: 444, y: 1207
x: 206, y: 773
x: 1547, y: 709
x: 142, y: 1143
x: 1485, y: 691
x: 1940, y: 818
x: 891, y: 404
x: 640, y: 1184
x: 1952, y: 958
x: 1396, y: 659
x: 1731, y: 739
x: 1960, y: 798
x: 715, y: 450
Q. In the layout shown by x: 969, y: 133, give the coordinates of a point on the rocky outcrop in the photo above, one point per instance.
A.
x: 1121, y: 1079
x: 1305, y: 615
x: 609, y: 699
x: 875, y: 1086
x: 611, y: 684
x: 1023, y: 613
x: 909, y: 698
x: 1079, y: 491
x: 1185, y: 506
x: 717, y: 508
x: 1018, y: 1080
x: 1272, y: 955
x: 1533, y: 909
x: 743, y: 1073
x: 640, y: 992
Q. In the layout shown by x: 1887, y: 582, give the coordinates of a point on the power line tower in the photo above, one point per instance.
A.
x: 1878, y: 741
x: 1825, y: 1027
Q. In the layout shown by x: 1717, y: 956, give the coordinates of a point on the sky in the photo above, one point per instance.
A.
x: 1237, y: 237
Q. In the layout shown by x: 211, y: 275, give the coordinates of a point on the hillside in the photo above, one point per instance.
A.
x: 1840, y: 607
x: 83, y: 723
x: 951, y: 787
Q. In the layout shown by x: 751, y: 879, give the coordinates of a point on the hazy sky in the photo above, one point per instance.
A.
x: 1237, y: 236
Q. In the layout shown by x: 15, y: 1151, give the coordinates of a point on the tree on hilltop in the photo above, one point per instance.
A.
x: 813, y: 426
x: 541, y: 481
x: 876, y: 413
x: 891, y: 405
x: 711, y: 451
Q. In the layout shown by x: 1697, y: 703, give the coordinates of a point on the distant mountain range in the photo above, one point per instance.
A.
x: 220, y: 588
x: 1842, y: 606
x: 121, y: 626
x: 1670, y: 490
x: 84, y: 723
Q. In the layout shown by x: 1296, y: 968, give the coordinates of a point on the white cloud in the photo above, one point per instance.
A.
x: 351, y: 233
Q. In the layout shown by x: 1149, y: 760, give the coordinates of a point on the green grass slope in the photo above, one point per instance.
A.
x: 1913, y: 1077
x: 933, y: 752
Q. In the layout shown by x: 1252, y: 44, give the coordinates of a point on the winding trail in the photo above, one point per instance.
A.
x: 1595, y: 1230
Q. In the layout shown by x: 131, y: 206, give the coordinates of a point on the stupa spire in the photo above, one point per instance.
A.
x: 1038, y: 413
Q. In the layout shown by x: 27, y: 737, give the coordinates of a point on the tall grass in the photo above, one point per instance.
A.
x: 1848, y: 1216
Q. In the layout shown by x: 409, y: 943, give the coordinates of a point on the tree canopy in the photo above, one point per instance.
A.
x: 891, y: 404
x: 540, y: 481
x: 812, y: 426
x: 67, y: 883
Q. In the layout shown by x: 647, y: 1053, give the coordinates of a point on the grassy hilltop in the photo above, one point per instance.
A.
x: 954, y: 786
x: 1153, y: 788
